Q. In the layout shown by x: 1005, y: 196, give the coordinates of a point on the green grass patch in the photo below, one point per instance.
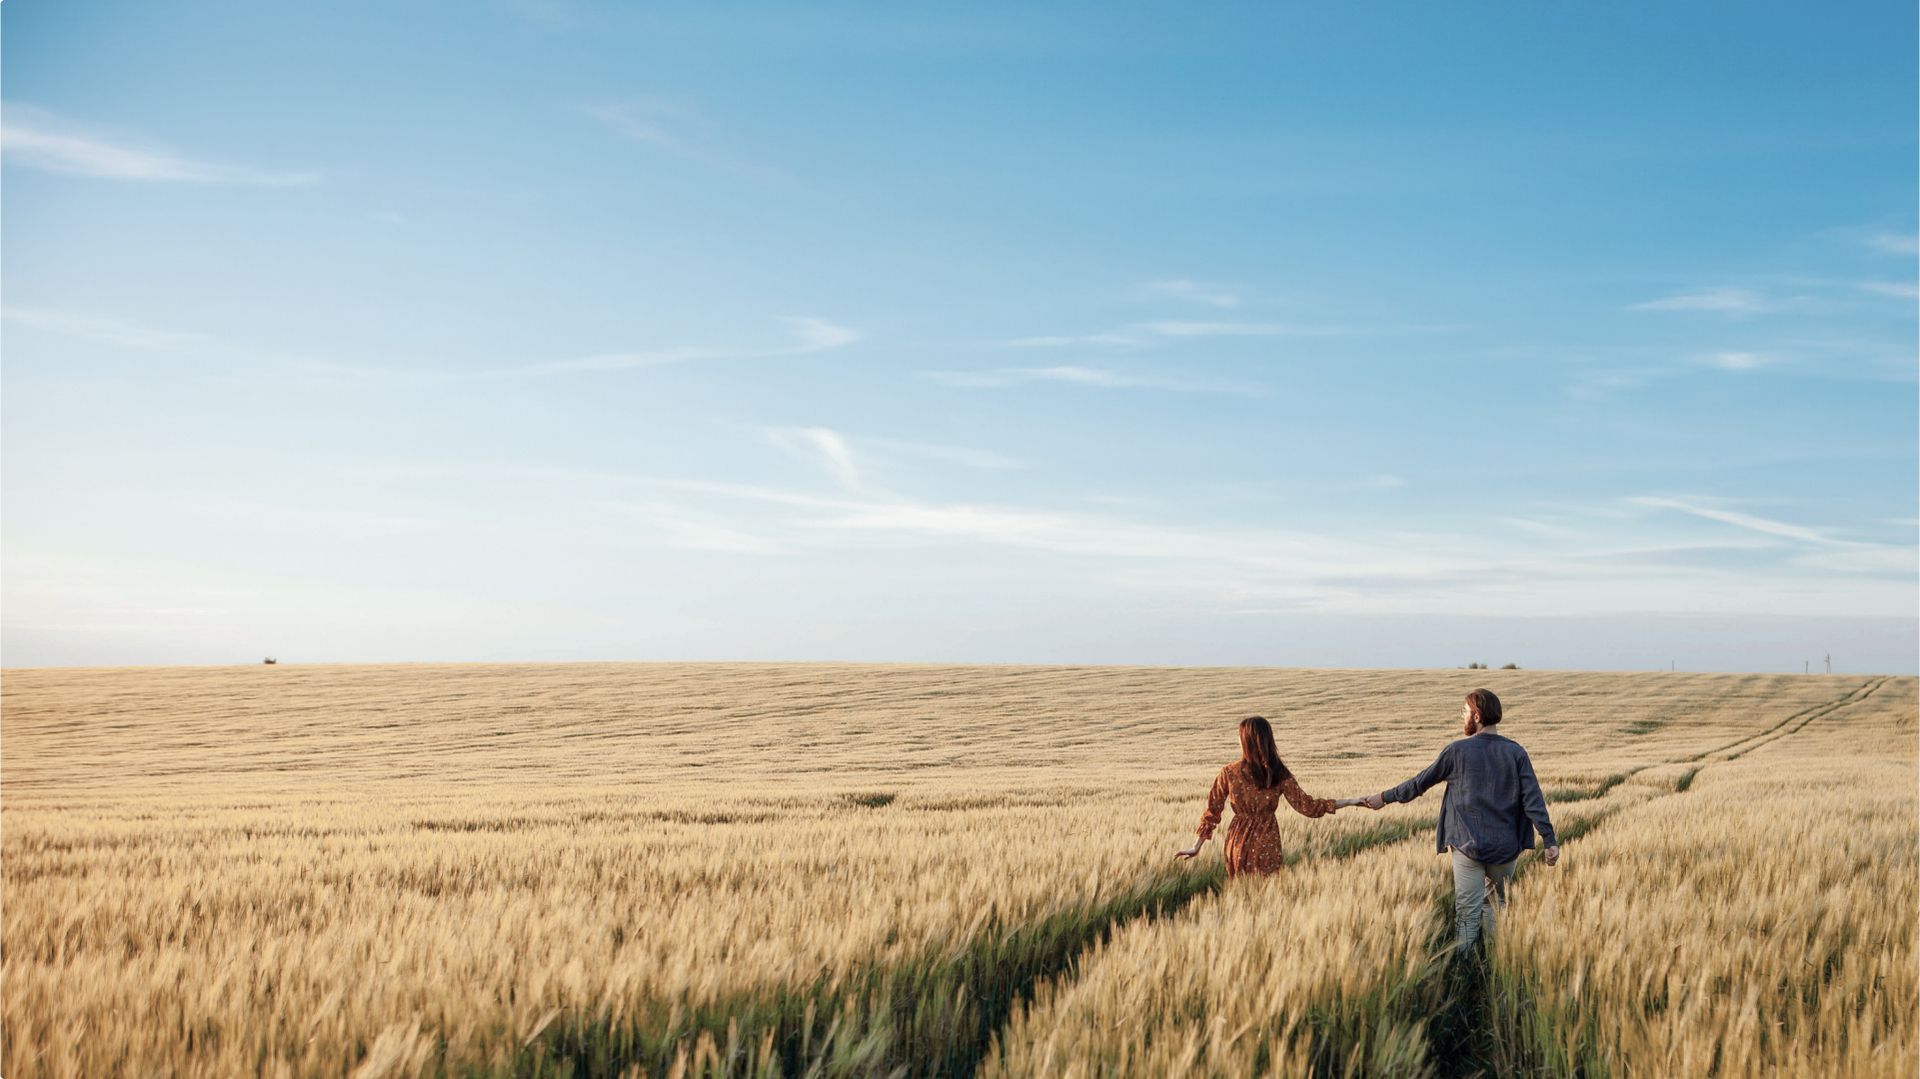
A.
x: 1582, y: 794
x: 1352, y: 843
x: 933, y: 1015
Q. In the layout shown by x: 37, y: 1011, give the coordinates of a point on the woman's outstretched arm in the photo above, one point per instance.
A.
x: 1303, y: 803
x: 1216, y: 803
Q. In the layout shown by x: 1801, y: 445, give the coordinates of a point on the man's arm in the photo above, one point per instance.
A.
x: 1535, y: 803
x: 1441, y: 768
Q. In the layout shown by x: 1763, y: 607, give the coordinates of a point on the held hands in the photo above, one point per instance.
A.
x: 1553, y: 855
x: 1371, y: 801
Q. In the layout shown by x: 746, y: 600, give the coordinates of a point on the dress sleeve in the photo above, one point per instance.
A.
x: 1216, y: 801
x: 1303, y: 803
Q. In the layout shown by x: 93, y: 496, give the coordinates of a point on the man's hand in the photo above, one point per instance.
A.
x: 1553, y: 855
x: 1188, y: 853
x: 1374, y: 801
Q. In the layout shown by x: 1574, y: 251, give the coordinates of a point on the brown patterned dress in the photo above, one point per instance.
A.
x: 1253, y: 839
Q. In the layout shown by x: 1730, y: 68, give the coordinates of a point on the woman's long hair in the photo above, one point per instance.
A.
x: 1257, y: 749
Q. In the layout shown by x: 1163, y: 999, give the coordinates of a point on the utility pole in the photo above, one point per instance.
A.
x: 1829, y: 662
x: 1806, y: 666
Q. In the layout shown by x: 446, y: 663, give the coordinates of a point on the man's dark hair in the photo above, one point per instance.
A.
x: 1486, y: 707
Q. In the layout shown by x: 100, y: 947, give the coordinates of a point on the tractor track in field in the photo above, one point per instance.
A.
x: 1741, y: 746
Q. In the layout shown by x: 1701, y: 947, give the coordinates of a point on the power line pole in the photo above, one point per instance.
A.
x: 1829, y: 662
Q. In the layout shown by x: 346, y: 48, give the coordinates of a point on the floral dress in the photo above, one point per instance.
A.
x: 1253, y: 839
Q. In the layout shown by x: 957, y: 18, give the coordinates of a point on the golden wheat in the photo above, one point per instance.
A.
x: 1762, y: 923
x: 731, y: 869
x: 1276, y: 976
x: 1745, y: 911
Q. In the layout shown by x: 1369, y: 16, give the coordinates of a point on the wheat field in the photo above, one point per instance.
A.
x: 634, y: 869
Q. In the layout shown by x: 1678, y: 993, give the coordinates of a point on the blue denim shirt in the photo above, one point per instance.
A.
x: 1493, y: 803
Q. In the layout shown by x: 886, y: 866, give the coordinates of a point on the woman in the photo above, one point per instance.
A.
x: 1255, y: 784
x: 1488, y: 815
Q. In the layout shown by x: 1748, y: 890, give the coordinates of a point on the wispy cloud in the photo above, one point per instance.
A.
x: 1895, y: 243
x: 1194, y: 291
x: 102, y: 330
x: 1179, y: 328
x: 1740, y: 520
x: 676, y: 526
x: 1096, y: 377
x: 1862, y: 558
x: 1309, y: 571
x: 36, y: 138
x: 1611, y: 556
x: 809, y: 333
x: 1546, y: 529
x: 1161, y: 331
x: 1601, y: 384
x: 1111, y: 337
x: 1079, y: 533
x: 963, y: 456
x: 824, y: 446
x: 679, y: 129
x: 347, y: 523
x: 817, y: 334
x: 1901, y: 290
x: 849, y: 459
x: 655, y: 121
x: 1737, y: 361
x: 1731, y: 301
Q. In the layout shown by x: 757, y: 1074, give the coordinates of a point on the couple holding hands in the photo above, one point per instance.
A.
x: 1488, y: 815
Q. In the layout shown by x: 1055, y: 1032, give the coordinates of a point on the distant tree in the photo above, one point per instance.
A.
x: 1510, y: 667
x: 1476, y: 665
x: 269, y: 660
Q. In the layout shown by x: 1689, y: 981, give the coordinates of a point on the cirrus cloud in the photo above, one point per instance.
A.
x: 38, y: 139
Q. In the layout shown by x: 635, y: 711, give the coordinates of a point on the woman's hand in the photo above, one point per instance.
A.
x: 1188, y: 853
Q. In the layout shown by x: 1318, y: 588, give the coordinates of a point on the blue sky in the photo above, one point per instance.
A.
x: 1339, y: 334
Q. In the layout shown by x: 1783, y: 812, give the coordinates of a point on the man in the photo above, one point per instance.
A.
x: 1488, y: 815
